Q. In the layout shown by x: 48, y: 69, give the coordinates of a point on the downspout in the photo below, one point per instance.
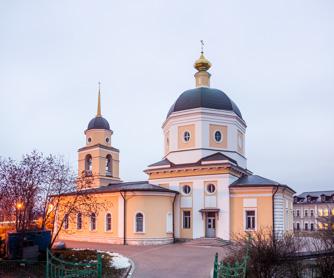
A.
x: 124, y: 218
x: 173, y: 218
x: 273, y: 208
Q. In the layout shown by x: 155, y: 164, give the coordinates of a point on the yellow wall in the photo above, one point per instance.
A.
x: 264, y: 216
x: 110, y: 202
x: 191, y: 143
x: 155, y: 209
x: 223, y: 131
x: 186, y: 233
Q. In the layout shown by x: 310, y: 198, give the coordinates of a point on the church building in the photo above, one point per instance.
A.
x: 201, y: 188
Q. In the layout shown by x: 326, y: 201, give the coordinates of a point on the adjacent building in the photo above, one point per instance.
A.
x: 200, y: 188
x: 313, y: 211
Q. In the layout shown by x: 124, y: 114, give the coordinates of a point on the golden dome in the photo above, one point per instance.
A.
x: 202, y: 64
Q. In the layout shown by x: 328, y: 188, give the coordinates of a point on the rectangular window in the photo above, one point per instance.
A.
x: 312, y: 227
x: 250, y: 219
x: 169, y: 223
x: 66, y: 222
x: 306, y: 213
x: 312, y: 212
x: 306, y: 226
x: 298, y: 226
x: 186, y: 219
x: 298, y: 212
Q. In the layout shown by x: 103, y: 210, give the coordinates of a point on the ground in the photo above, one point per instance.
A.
x: 173, y: 260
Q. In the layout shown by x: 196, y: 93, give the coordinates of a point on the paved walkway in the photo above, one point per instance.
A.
x: 166, y: 261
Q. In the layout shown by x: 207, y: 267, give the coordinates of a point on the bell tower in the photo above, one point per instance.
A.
x: 98, y: 158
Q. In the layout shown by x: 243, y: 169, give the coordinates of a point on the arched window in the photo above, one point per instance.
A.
x: 88, y: 164
x: 108, y: 165
x: 139, y: 222
x: 93, y: 222
x: 108, y: 222
x: 79, y: 221
x: 66, y: 222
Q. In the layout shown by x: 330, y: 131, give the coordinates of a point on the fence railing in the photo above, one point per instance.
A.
x: 58, y: 268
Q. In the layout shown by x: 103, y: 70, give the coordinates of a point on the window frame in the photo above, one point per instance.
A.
x: 79, y: 214
x: 221, y: 136
x: 66, y: 222
x: 184, y: 136
x: 106, y: 223
x: 184, y: 186
x: 143, y: 223
x: 246, y: 220
x: 185, y: 221
x: 91, y: 222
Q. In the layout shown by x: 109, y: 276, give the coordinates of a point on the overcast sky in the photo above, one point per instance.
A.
x: 275, y: 59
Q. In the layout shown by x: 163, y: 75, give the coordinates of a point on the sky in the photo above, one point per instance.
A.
x: 275, y: 59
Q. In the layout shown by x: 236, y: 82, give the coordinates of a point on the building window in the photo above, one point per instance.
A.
x: 139, y: 222
x: 107, y: 139
x: 79, y: 221
x: 297, y: 226
x: 66, y: 222
x: 332, y: 211
x: 108, y: 222
x: 320, y: 226
x: 306, y: 226
x: 186, y: 219
x: 325, y: 212
x: 250, y: 219
x: 89, y: 140
x: 218, y: 136
x: 88, y: 164
x: 312, y: 226
x: 312, y: 212
x: 93, y: 222
x: 186, y: 136
x: 298, y: 212
x: 108, y: 165
x: 211, y: 188
x: 305, y: 212
x: 186, y: 189
x: 320, y: 212
x: 169, y: 223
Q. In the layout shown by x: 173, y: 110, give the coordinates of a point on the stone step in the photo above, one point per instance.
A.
x: 213, y: 242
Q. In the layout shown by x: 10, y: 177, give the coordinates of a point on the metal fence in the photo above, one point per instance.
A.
x: 58, y: 268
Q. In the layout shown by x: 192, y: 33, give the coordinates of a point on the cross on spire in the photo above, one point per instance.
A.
x: 202, y: 46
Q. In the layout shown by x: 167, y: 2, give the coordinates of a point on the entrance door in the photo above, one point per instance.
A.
x: 210, y: 225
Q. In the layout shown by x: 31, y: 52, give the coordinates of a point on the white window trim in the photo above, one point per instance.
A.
x: 169, y: 231
x: 306, y: 214
x: 308, y: 226
x: 135, y: 223
x: 105, y: 222
x: 68, y: 222
x: 244, y: 218
x: 206, y: 188
x: 186, y: 194
x: 221, y: 136
x: 90, y: 223
x: 184, y: 135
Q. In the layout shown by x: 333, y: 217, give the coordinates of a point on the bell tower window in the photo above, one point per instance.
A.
x: 88, y: 164
x: 108, y: 165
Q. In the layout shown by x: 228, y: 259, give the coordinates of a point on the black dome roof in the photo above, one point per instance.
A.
x: 98, y: 123
x: 206, y: 98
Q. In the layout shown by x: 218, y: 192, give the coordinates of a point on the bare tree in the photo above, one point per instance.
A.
x: 45, y: 188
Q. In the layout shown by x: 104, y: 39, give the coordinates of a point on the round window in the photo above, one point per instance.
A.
x: 186, y: 189
x: 211, y: 188
x: 186, y: 136
x: 218, y: 136
x: 107, y: 140
x: 89, y: 140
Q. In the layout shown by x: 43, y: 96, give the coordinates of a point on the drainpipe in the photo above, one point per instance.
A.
x: 173, y: 218
x: 273, y: 208
x: 124, y: 218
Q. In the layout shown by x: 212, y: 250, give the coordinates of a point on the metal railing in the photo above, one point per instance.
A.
x: 58, y: 268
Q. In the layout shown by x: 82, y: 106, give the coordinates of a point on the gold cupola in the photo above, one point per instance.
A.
x: 202, y: 76
x: 202, y: 64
